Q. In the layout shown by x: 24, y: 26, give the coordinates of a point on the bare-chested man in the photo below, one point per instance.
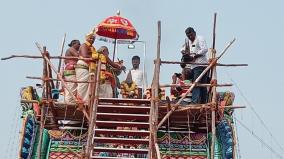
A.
x: 82, y: 68
x: 69, y: 70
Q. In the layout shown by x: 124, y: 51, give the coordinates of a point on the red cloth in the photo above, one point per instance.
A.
x: 70, y: 66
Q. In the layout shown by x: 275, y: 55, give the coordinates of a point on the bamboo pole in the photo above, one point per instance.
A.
x: 51, y: 57
x: 158, y: 151
x: 61, y: 79
x: 90, y: 59
x: 94, y: 106
x: 214, y: 31
x: 212, y: 63
x: 202, y: 64
x: 29, y: 101
x: 193, y: 106
x: 155, y: 100
x: 53, y: 79
x: 49, y: 86
x: 44, y: 95
x: 202, y: 106
x: 234, y: 135
x: 197, y: 85
x: 60, y: 60
x: 214, y: 91
x: 189, y: 107
x: 156, y: 86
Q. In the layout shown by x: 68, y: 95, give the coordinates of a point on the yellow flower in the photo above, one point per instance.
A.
x: 127, y: 88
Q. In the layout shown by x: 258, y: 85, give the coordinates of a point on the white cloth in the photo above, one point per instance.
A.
x: 71, y: 86
x: 198, y: 47
x: 105, y: 90
x: 82, y: 75
x: 137, y: 77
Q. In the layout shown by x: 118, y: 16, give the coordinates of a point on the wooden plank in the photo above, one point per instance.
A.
x: 120, y: 150
x: 114, y: 116
x: 120, y: 140
x: 114, y: 124
x: 120, y: 100
x: 123, y: 109
x: 100, y: 157
x: 122, y: 132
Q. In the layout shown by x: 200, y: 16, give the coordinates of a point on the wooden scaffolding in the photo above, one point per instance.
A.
x: 105, y: 117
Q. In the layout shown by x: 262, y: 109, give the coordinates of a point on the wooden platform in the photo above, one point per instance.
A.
x: 111, y: 112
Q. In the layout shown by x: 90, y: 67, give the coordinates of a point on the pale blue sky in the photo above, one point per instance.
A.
x: 257, y: 26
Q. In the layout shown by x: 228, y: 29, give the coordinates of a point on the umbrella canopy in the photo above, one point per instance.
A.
x: 116, y: 27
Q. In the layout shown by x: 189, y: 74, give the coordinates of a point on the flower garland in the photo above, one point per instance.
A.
x: 97, y: 56
x: 126, y: 87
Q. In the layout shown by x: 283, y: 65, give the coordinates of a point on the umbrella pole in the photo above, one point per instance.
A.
x: 113, y: 56
x: 114, y: 48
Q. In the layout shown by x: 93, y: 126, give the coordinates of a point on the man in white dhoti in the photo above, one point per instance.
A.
x: 69, y: 71
x: 82, y: 67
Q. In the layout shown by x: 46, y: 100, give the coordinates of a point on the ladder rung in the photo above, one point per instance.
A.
x: 121, y: 150
x: 114, y: 124
x: 120, y: 140
x: 100, y: 157
x: 124, y: 108
x: 123, y: 116
x: 117, y: 100
x: 122, y: 132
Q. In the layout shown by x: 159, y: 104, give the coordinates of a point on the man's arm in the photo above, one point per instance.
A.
x: 73, y: 53
x: 115, y: 65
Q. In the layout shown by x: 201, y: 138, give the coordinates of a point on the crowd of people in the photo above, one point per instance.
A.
x: 80, y: 70
x: 194, y: 50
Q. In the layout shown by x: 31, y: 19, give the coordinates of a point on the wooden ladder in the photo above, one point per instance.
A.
x: 122, y: 129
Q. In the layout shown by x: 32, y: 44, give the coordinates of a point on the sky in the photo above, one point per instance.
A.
x: 256, y: 25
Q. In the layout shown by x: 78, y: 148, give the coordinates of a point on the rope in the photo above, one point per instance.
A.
x: 259, y: 139
x: 254, y: 111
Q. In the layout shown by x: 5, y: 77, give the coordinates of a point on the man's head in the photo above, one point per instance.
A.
x: 91, y: 37
x: 135, y: 62
x: 103, y: 50
x: 75, y: 44
x: 190, y: 33
x: 186, y: 73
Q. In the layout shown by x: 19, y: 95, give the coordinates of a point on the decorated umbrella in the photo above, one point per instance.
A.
x: 116, y: 27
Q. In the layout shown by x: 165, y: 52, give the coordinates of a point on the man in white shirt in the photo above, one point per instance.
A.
x: 196, y: 48
x: 137, y: 74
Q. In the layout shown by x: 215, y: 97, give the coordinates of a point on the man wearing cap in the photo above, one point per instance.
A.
x: 195, y: 47
x: 82, y: 68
